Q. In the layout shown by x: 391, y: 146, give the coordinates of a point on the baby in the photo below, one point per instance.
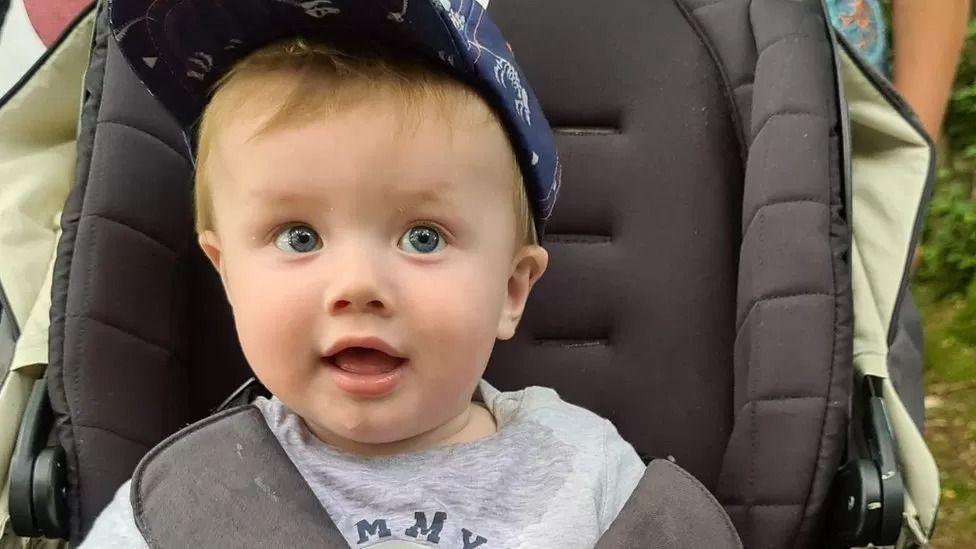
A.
x: 374, y: 215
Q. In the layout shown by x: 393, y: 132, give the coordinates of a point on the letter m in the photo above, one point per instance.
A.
x: 420, y: 526
x: 367, y: 529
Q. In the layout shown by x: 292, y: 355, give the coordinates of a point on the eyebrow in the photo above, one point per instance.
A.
x: 275, y: 194
x: 435, y: 193
x: 414, y: 197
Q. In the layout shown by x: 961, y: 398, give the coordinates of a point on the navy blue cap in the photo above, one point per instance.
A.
x: 181, y: 48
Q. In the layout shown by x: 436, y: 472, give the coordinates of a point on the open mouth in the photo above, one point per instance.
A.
x: 364, y: 361
x: 364, y: 371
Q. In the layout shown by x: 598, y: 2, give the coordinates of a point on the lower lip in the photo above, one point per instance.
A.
x: 366, y: 385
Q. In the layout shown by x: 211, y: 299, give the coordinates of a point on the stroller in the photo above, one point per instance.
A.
x: 741, y: 199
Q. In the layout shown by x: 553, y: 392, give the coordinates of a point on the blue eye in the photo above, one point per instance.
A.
x: 300, y: 239
x: 421, y: 239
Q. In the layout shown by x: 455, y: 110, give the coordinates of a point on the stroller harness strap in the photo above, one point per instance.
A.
x: 670, y: 509
x: 226, y: 481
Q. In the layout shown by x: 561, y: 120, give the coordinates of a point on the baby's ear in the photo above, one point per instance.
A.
x: 210, y: 245
x: 527, y: 266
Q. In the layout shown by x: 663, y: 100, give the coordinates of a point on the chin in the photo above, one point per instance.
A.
x: 369, y: 429
x: 374, y: 437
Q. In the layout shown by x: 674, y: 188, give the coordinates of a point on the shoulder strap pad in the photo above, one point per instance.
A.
x: 670, y: 509
x: 227, y: 482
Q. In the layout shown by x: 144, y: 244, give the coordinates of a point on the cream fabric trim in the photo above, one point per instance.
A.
x: 890, y: 166
x: 32, y: 347
x: 38, y: 132
x: 38, y: 129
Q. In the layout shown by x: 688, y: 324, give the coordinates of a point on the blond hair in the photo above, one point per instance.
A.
x: 302, y: 80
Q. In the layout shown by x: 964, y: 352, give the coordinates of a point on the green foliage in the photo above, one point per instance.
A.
x: 949, y: 244
x: 949, y: 251
x: 963, y: 326
x: 961, y: 120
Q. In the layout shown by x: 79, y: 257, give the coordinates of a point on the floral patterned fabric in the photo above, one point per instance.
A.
x: 862, y: 24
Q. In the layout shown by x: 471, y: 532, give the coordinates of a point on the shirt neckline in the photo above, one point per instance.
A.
x: 505, y: 421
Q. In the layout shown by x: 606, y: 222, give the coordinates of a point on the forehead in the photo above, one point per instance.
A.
x: 425, y: 154
x: 402, y: 194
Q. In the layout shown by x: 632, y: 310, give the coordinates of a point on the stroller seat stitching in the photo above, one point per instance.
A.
x: 780, y: 39
x: 755, y: 302
x: 779, y: 202
x: 173, y: 252
x: 728, y: 93
x: 750, y: 384
x: 141, y: 131
x: 777, y: 114
x: 147, y: 445
x: 88, y: 317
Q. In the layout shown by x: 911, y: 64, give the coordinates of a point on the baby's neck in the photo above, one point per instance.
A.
x: 474, y: 423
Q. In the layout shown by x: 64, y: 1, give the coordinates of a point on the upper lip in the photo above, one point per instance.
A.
x: 366, y: 342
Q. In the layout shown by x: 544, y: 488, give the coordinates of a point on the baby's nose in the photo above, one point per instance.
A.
x: 358, y: 294
x: 372, y: 304
x: 357, y: 286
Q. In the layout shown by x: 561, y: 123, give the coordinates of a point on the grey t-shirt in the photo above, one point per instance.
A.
x: 554, y: 476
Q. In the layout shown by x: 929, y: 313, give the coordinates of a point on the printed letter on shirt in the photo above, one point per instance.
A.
x: 372, y: 529
x: 432, y: 533
x: 468, y: 544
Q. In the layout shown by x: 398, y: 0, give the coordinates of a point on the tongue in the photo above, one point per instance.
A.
x: 366, y: 361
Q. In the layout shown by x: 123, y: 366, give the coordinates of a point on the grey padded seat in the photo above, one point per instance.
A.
x: 698, y: 294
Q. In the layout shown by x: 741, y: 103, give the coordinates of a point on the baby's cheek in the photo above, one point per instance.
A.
x: 459, y: 320
x: 272, y: 323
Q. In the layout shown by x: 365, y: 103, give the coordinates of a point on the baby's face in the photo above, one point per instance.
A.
x: 341, y: 237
